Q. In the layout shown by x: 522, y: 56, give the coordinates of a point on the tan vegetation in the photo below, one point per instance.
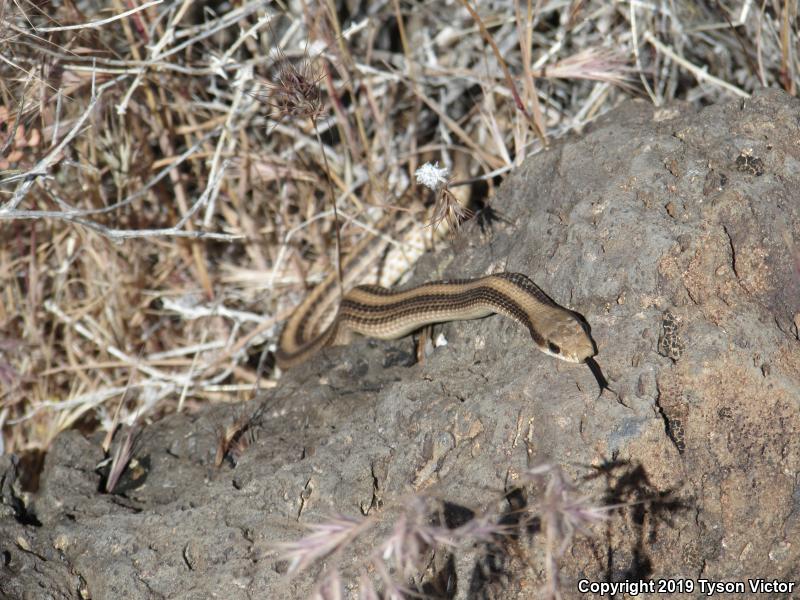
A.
x: 164, y: 199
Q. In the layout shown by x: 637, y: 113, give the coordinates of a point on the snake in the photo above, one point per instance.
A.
x: 379, y: 312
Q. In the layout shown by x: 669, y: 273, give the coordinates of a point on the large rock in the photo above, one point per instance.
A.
x: 673, y: 232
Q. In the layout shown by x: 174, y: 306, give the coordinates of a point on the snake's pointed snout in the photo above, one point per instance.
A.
x: 579, y: 348
x: 567, y: 337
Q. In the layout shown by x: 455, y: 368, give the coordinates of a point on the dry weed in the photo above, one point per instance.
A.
x: 157, y: 217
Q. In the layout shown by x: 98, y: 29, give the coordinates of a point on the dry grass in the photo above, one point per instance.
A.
x: 162, y: 208
x: 395, y: 558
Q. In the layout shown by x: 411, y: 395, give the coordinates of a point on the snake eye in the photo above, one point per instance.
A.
x: 554, y: 348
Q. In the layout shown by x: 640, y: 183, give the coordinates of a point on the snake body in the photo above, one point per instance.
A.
x: 382, y: 313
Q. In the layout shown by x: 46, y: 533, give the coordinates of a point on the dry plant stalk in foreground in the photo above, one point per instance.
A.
x: 405, y: 538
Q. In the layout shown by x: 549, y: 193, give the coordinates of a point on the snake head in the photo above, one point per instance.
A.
x: 567, y: 337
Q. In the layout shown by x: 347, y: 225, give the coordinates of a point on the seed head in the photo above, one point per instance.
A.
x: 432, y: 176
x: 294, y: 91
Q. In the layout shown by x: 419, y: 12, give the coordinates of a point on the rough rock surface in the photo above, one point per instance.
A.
x: 674, y: 233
